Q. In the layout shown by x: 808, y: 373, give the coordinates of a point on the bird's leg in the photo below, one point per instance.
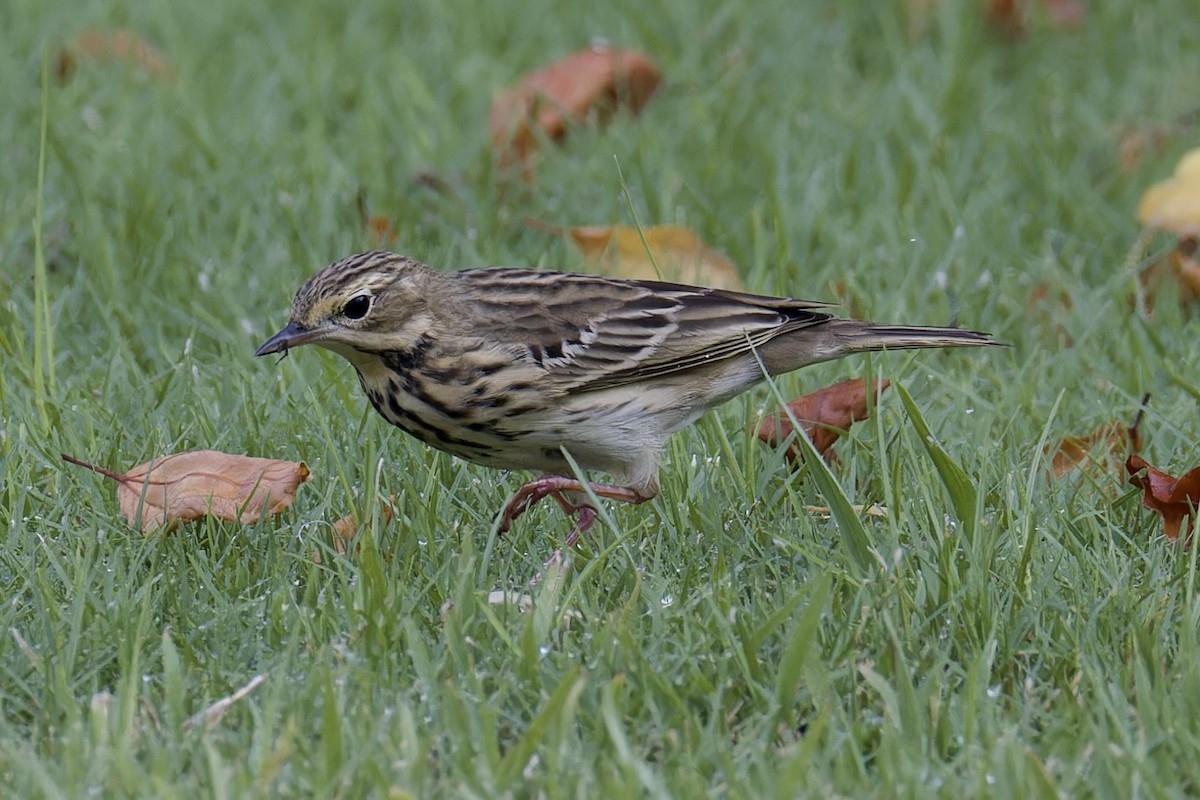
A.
x: 572, y: 505
x: 557, y: 486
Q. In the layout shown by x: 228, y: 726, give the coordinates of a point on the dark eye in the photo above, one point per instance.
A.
x: 358, y: 307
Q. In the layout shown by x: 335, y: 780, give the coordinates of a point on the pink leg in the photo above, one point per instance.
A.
x: 586, y: 515
x: 555, y: 486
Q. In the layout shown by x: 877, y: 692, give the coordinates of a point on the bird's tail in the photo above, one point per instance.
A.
x: 833, y: 338
x: 854, y: 336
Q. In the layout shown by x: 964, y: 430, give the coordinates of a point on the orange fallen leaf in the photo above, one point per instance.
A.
x: 590, y: 82
x: 1102, y: 449
x: 120, y: 44
x: 347, y: 528
x: 824, y: 415
x: 1178, y: 271
x: 1174, y: 499
x: 187, y: 486
x: 659, y: 252
x: 380, y: 232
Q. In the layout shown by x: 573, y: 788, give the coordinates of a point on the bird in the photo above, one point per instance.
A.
x: 537, y: 370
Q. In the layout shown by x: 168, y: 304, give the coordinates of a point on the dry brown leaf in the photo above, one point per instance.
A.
x: 347, y: 528
x: 675, y: 254
x: 1102, y: 450
x: 824, y: 415
x: 592, y: 82
x: 1180, y: 269
x: 121, y: 44
x: 1174, y: 499
x: 380, y: 232
x: 187, y: 486
x: 1185, y: 262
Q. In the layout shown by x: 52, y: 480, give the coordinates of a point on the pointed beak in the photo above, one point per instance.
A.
x: 293, y: 335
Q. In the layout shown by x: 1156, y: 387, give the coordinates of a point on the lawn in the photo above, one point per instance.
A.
x: 997, y: 631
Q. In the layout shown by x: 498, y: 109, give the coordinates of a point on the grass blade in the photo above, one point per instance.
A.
x: 963, y: 494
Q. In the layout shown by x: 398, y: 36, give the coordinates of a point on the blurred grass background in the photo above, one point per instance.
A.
x: 905, y: 158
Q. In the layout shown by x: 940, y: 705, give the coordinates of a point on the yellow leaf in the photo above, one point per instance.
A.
x: 668, y: 253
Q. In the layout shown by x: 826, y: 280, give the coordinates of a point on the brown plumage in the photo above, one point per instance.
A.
x: 510, y: 367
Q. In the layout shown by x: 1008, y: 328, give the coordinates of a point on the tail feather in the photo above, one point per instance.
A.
x: 853, y: 336
x: 833, y: 338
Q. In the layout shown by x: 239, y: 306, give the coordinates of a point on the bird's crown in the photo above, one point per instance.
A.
x: 350, y: 287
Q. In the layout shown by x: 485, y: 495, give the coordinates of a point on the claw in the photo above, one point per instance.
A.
x: 559, y: 488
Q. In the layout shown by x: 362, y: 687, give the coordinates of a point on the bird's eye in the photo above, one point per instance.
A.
x: 358, y: 307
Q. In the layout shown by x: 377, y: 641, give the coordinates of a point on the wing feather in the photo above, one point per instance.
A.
x: 588, y: 332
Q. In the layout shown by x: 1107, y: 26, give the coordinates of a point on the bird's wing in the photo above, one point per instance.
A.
x: 587, y: 332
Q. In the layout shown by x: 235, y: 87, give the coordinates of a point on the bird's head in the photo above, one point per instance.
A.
x: 367, y: 303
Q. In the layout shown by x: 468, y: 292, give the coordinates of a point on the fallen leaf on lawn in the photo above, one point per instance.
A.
x: 380, y: 232
x: 347, y: 528
x: 1178, y: 271
x: 1101, y: 450
x: 592, y: 82
x: 824, y: 415
x: 120, y: 44
x: 1174, y: 204
x: 1174, y: 499
x: 659, y: 252
x: 187, y: 486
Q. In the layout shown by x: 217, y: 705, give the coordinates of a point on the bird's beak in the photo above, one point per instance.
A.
x: 293, y: 335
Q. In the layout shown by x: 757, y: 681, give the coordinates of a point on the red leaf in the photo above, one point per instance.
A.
x: 1174, y: 499
x: 824, y: 415
x: 593, y: 81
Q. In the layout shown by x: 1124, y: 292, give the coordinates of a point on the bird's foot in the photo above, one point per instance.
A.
x: 564, y: 491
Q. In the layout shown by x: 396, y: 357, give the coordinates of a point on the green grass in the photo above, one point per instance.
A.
x: 1008, y: 636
